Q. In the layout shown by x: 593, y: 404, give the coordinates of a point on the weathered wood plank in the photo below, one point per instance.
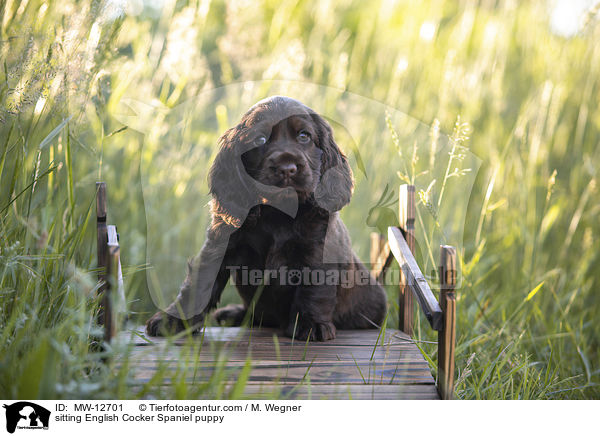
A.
x: 268, y: 352
x: 415, y: 278
x: 347, y: 367
x: 358, y: 338
x: 316, y: 374
x: 340, y: 392
x: 303, y: 391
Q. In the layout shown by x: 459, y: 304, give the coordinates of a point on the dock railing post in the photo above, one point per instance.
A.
x: 406, y: 214
x: 111, y: 291
x: 108, y: 264
x: 447, y: 336
x: 102, y: 245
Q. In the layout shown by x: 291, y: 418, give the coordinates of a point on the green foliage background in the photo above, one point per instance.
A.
x: 530, y: 97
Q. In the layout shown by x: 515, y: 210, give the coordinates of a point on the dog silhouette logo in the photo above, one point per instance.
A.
x: 26, y: 415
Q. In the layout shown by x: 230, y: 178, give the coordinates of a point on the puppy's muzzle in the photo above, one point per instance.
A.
x: 286, y: 170
x: 285, y: 167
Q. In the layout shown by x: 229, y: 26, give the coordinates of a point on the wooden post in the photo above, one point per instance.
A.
x: 406, y: 214
x: 375, y: 248
x: 102, y: 243
x: 381, y: 257
x: 447, y: 336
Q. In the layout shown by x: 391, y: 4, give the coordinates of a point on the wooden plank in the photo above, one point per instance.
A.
x: 305, y: 391
x: 315, y: 374
x: 400, y: 344
x: 375, y: 247
x: 208, y: 351
x: 340, y: 392
x: 447, y: 335
x: 415, y: 278
x: 406, y: 214
x: 358, y: 338
x: 346, y: 367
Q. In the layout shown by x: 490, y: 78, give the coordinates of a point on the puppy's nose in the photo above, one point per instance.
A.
x: 287, y: 170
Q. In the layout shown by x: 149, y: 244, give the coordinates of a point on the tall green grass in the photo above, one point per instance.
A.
x: 528, y: 304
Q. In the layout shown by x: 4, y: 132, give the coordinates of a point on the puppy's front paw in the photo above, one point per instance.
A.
x: 316, y: 331
x: 163, y: 324
x: 232, y: 314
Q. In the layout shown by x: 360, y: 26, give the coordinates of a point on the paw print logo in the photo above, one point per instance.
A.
x: 294, y: 277
x: 382, y: 215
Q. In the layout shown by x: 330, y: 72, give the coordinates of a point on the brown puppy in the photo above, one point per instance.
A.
x: 278, y: 183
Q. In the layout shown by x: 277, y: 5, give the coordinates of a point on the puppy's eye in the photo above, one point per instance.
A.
x: 303, y: 136
x: 261, y: 140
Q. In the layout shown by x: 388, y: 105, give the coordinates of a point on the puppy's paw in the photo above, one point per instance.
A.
x: 163, y: 324
x: 316, y: 331
x: 232, y: 314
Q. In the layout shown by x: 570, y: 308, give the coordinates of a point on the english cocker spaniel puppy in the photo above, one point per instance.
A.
x: 277, y: 184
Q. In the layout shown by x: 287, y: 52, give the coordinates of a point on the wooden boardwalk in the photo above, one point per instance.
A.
x: 358, y: 364
x: 355, y: 365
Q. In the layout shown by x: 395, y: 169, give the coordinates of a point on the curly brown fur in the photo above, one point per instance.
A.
x: 278, y: 183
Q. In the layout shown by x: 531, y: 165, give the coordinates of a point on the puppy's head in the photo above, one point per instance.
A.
x: 279, y: 148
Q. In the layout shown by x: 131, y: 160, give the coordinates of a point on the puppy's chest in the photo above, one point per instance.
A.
x: 276, y: 232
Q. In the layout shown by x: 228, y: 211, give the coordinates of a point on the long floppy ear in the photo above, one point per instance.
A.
x: 336, y: 185
x: 232, y: 188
